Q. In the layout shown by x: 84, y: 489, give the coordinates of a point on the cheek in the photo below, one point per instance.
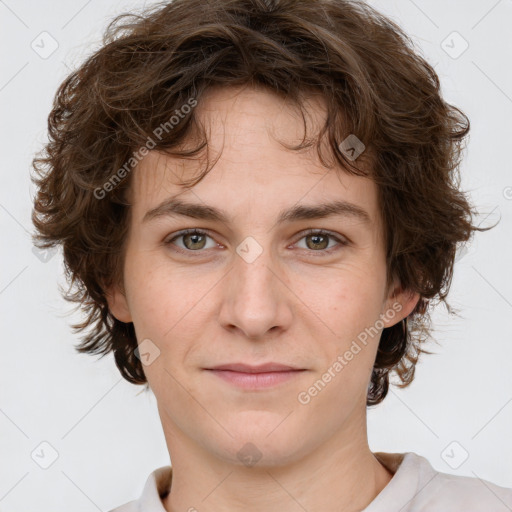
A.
x: 168, y: 307
x: 351, y: 310
x: 349, y: 300
x: 156, y: 295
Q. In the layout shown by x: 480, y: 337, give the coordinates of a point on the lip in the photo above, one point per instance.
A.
x: 255, y: 377
x: 262, y: 368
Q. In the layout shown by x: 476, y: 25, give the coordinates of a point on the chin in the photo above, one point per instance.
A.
x: 263, y: 446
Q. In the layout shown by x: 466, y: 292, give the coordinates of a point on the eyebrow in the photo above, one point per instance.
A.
x: 173, y: 207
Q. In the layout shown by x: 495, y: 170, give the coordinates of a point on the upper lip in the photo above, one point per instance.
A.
x: 262, y: 368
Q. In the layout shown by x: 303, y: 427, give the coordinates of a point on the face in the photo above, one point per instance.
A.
x: 253, y: 288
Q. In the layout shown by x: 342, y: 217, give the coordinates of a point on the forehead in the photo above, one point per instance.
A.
x: 245, y: 130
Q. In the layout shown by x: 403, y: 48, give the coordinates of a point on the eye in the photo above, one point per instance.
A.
x: 193, y: 240
x: 319, y: 240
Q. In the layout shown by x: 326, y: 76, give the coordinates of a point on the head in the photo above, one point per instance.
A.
x: 258, y: 113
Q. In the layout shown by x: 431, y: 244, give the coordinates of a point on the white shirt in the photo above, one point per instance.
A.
x: 415, y: 487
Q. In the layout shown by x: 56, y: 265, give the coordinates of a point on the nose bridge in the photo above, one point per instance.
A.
x: 255, y: 279
x: 255, y: 299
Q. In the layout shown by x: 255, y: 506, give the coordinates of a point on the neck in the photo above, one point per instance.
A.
x: 341, y: 475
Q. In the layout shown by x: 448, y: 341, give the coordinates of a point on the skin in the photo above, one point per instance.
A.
x: 298, y: 303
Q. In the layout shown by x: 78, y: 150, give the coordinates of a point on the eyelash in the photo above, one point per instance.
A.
x: 304, y: 234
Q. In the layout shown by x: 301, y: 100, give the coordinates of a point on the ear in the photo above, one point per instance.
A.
x: 398, y: 305
x: 117, y: 304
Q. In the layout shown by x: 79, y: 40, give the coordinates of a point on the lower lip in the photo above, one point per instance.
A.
x: 256, y: 380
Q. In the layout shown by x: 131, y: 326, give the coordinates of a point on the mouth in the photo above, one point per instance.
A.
x: 255, y: 377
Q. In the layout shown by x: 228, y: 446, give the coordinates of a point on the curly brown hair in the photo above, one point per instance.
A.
x: 375, y: 85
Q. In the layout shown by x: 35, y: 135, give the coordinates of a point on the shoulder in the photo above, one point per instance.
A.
x: 470, y: 494
x: 436, y: 490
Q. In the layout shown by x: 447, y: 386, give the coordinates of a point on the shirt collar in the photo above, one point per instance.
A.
x: 155, y: 490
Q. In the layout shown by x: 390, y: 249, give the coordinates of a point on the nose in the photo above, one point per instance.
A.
x: 256, y: 300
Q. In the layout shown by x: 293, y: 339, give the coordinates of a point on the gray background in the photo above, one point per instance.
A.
x: 106, y: 434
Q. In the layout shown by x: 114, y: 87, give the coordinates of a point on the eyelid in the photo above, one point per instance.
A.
x: 342, y: 240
